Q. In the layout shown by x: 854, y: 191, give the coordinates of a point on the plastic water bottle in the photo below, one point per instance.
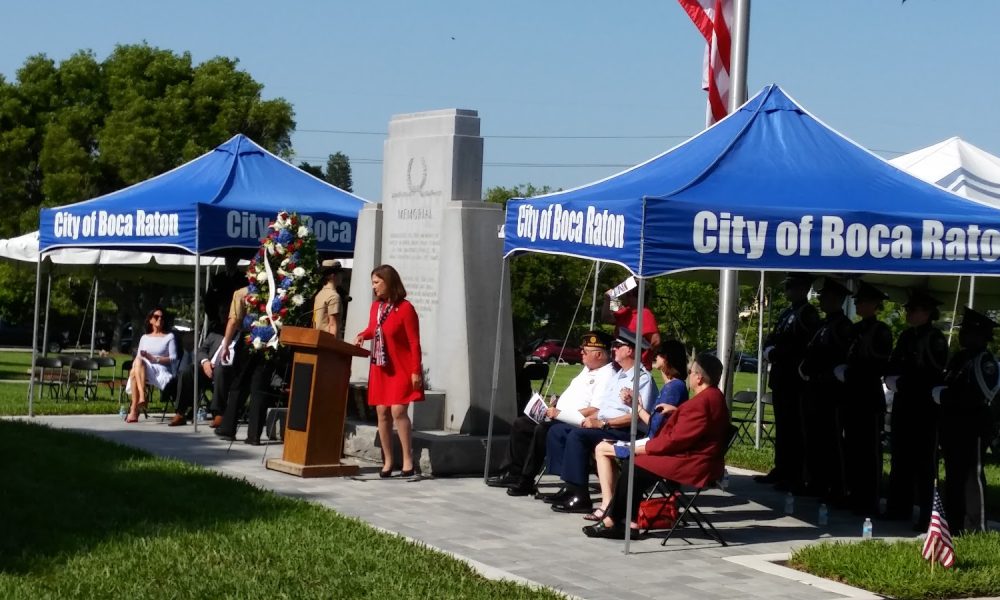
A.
x: 789, y: 504
x: 724, y: 482
x: 201, y: 414
x: 121, y: 412
x: 824, y: 515
x: 866, y: 529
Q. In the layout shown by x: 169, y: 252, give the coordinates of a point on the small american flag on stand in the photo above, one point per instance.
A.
x: 938, y: 546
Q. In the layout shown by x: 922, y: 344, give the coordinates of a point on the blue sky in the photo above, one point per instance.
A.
x: 895, y: 77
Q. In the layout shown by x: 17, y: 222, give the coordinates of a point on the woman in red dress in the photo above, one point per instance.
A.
x: 396, y: 375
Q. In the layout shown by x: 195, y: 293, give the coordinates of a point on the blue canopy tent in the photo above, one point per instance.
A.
x: 223, y: 199
x: 768, y: 188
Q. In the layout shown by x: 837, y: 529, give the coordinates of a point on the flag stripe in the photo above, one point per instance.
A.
x: 938, y: 545
x: 712, y: 19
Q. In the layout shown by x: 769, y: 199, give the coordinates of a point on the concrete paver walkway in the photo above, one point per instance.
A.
x: 521, y: 537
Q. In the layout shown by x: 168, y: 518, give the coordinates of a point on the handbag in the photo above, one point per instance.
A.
x: 657, y: 513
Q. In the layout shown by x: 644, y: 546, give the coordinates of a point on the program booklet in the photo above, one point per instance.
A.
x: 535, y: 409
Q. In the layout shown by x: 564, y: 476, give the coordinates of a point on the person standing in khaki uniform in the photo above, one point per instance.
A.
x: 326, y: 306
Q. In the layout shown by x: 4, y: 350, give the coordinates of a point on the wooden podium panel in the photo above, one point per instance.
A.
x: 317, y: 406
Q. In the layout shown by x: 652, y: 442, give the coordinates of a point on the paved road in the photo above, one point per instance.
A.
x: 521, y: 538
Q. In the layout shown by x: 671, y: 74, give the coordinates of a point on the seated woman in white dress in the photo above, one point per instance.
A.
x: 154, y: 363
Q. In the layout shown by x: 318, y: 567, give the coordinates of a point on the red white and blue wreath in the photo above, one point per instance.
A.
x: 282, y: 278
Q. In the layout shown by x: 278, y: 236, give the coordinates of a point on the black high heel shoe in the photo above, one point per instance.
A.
x: 385, y: 474
x: 408, y: 473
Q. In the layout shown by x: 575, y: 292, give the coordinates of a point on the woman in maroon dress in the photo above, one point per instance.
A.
x: 396, y: 375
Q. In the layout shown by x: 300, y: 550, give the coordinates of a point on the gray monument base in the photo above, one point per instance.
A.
x: 437, y: 453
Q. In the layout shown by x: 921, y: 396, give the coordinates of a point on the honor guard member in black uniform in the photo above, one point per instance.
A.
x: 783, y: 349
x: 971, y: 383
x: 915, y: 368
x: 824, y: 438
x: 863, y: 402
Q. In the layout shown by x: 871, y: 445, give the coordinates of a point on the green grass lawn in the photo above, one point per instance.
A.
x: 15, y: 367
x: 896, y: 569
x: 85, y: 518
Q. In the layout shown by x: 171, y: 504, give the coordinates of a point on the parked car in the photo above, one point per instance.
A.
x: 747, y: 362
x: 551, y: 351
x: 20, y: 336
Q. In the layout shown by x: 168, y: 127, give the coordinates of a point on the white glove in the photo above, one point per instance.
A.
x: 936, y: 393
x: 801, y: 374
x: 839, y: 371
x: 890, y: 382
x: 767, y: 352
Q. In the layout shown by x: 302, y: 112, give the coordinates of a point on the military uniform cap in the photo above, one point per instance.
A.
x: 921, y: 298
x: 799, y: 278
x: 596, y: 339
x: 867, y: 291
x: 832, y: 286
x: 976, y: 320
x: 627, y: 336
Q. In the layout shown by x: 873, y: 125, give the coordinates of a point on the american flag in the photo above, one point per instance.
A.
x: 712, y: 18
x: 938, y: 544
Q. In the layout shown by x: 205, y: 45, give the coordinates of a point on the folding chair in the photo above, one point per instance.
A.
x: 107, y: 362
x: 744, y: 413
x: 686, y: 500
x: 536, y: 372
x: 53, y: 380
x: 82, y: 375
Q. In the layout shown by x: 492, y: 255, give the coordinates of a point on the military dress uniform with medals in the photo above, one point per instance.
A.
x: 863, y: 405
x: 915, y: 368
x: 785, y: 346
x: 821, y: 401
x: 971, y: 384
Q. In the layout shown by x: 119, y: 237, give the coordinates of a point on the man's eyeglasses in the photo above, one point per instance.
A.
x: 618, y: 344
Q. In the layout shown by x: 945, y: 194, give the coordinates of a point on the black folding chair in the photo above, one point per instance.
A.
x: 107, y: 362
x: 745, y: 417
x: 536, y: 372
x: 82, y: 373
x: 53, y: 380
x: 687, y: 499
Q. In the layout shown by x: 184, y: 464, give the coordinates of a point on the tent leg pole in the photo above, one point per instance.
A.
x: 48, y: 305
x: 759, y: 417
x: 197, y: 311
x: 34, y: 335
x: 496, y: 371
x: 93, y: 320
x: 636, y: 400
x: 972, y: 291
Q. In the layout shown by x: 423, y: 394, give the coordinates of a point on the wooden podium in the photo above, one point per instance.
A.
x: 317, y: 404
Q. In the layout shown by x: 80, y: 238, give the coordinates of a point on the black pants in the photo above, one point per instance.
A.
x: 823, y: 441
x: 252, y: 381
x: 863, y: 455
x: 964, y: 447
x: 914, y: 457
x: 643, y: 481
x: 221, y: 377
x: 789, y: 452
x: 526, y: 448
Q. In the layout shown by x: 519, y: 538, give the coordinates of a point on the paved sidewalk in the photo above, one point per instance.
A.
x: 521, y: 538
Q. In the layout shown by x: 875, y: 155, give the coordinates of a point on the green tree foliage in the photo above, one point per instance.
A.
x: 338, y: 171
x: 83, y: 128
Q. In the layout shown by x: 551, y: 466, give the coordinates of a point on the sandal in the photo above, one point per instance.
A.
x: 597, y: 515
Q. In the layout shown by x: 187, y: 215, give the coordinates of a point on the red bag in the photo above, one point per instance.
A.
x: 657, y: 513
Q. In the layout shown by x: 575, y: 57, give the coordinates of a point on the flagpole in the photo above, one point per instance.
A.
x: 728, y: 282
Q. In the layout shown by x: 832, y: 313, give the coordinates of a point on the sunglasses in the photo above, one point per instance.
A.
x: 156, y: 316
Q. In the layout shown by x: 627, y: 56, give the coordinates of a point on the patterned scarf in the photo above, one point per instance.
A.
x: 379, y: 356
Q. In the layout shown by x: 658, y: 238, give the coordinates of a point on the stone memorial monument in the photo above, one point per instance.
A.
x: 433, y: 226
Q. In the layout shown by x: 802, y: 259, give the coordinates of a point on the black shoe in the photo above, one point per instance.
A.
x: 574, y: 504
x: 561, y: 495
x: 407, y: 473
x: 251, y: 442
x: 505, y: 480
x: 225, y: 435
x: 524, y: 487
x: 772, y: 477
x: 615, y: 532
